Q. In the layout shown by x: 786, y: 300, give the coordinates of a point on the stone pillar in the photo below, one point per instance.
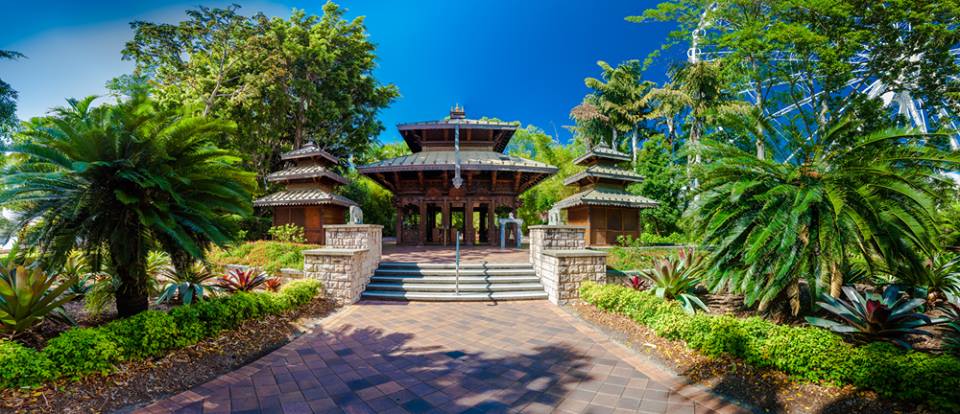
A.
x: 348, y: 260
x: 560, y: 258
x: 468, y: 222
x: 562, y: 272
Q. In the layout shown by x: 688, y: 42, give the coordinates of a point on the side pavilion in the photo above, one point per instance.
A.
x: 430, y: 208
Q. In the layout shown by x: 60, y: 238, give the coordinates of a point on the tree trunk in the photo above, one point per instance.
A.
x: 633, y: 143
x: 132, y: 296
x: 180, y: 259
x: 793, y: 293
x: 836, y: 280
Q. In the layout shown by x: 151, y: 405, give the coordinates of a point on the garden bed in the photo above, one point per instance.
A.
x: 270, y: 256
x: 137, y: 383
x: 765, y: 389
x: 770, y: 364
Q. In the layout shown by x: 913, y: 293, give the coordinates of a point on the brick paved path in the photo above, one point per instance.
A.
x: 419, y: 357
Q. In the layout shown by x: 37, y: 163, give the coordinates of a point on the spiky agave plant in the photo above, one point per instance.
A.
x: 27, y: 297
x: 888, y: 317
x: 188, y: 286
x: 676, y: 278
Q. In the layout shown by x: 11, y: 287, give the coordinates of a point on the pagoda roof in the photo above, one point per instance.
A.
x: 600, y: 171
x: 606, y: 198
x: 309, y: 197
x: 310, y: 150
x: 602, y: 152
x: 493, y: 134
x: 469, y: 160
x: 305, y: 171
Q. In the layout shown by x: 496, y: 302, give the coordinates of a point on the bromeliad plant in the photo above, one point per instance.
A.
x: 188, y: 286
x: 676, y: 278
x: 273, y: 284
x: 238, y: 280
x: 27, y: 297
x: 887, y: 317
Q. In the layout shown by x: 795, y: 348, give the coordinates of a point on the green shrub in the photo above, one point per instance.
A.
x: 270, y: 256
x: 146, y: 334
x: 806, y: 353
x: 287, y: 233
x: 81, y: 351
x: 21, y: 366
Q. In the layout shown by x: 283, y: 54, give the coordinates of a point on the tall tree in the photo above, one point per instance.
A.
x: 663, y: 180
x: 620, y: 96
x: 8, y: 100
x: 123, y: 178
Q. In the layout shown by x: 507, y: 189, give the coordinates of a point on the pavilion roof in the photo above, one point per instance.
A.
x: 308, y: 197
x: 607, y: 198
x: 305, y: 171
x: 600, y: 171
x: 602, y: 152
x: 309, y: 150
x: 469, y: 160
x: 494, y: 134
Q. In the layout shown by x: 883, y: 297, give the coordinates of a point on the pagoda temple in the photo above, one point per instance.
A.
x: 457, y: 178
x: 602, y: 203
x: 308, y: 199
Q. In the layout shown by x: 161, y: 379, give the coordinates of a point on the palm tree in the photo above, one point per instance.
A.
x: 123, y: 178
x: 620, y: 96
x: 771, y: 224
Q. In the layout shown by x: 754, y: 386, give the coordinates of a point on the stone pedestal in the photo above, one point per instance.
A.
x: 346, y: 263
x: 560, y: 258
x: 562, y: 271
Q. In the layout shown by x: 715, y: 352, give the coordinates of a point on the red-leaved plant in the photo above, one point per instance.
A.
x: 273, y: 284
x: 242, y: 280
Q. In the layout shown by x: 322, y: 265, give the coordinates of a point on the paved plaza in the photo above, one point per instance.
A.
x: 420, y: 357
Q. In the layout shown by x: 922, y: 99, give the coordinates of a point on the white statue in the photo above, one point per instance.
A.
x: 553, y: 217
x: 356, y: 215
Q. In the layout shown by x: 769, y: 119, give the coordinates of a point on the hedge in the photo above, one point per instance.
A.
x: 82, y: 351
x: 805, y: 353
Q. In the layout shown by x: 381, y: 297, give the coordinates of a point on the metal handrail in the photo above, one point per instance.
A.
x: 457, y: 287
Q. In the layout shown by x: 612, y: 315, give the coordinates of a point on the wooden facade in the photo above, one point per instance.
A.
x: 430, y: 208
x: 308, y: 199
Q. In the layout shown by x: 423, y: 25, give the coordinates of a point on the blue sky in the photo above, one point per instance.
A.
x: 514, y: 60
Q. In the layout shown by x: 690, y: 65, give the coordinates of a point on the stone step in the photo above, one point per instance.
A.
x: 453, y: 279
x: 449, y: 287
x: 453, y: 272
x: 451, y: 297
x: 412, y: 265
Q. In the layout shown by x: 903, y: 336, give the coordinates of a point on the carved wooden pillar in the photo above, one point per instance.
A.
x: 492, y: 231
x: 468, y: 222
x: 423, y: 223
x: 399, y: 224
x: 446, y: 222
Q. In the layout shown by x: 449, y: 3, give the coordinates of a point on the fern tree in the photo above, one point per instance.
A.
x: 771, y: 224
x: 124, y: 177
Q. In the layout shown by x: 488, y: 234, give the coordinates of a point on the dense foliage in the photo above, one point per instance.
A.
x: 123, y: 178
x: 84, y: 351
x: 806, y: 353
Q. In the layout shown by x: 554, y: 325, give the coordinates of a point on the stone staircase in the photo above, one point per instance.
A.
x: 436, y: 282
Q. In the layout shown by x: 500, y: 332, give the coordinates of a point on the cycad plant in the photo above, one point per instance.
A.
x: 122, y: 178
x: 842, y: 193
x: 677, y: 277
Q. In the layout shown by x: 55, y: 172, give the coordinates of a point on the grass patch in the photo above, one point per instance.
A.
x: 626, y: 258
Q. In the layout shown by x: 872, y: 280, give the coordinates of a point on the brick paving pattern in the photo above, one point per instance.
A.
x: 419, y: 357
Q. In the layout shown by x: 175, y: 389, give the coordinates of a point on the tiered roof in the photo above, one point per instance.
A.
x: 308, y: 178
x: 602, y: 183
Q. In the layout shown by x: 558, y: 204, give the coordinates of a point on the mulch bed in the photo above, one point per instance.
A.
x: 137, y: 383
x: 766, y: 390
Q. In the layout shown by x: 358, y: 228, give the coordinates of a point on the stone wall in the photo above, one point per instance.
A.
x: 562, y: 272
x: 560, y: 258
x: 346, y: 263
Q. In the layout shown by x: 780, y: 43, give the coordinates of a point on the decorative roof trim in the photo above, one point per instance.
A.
x: 311, y: 197
x: 603, y: 152
x: 290, y: 174
x: 445, y: 161
x: 602, y: 172
x: 309, y: 151
x: 595, y: 197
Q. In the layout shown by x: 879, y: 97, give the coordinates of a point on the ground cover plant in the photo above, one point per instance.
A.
x: 805, y: 353
x: 90, y: 350
x: 270, y: 256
